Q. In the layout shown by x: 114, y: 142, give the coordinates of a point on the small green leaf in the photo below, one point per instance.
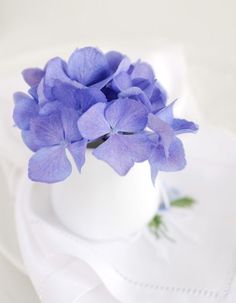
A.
x: 156, y: 222
x: 183, y: 202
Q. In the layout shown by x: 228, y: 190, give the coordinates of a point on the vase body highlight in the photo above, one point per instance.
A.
x: 101, y: 205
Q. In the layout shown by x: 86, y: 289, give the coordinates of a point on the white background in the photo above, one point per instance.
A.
x: 205, y: 29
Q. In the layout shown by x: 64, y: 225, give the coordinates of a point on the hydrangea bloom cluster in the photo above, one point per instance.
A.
x: 97, y: 97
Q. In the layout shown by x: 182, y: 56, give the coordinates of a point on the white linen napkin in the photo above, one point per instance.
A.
x: 199, y: 266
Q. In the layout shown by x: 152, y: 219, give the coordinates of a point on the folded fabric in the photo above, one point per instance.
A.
x: 195, y: 263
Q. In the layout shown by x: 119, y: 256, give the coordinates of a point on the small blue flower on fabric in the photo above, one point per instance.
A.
x: 102, y: 99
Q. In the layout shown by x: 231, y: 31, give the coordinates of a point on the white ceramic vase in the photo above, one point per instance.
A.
x: 101, y: 205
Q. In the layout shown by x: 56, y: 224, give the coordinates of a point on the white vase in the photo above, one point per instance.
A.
x: 101, y: 205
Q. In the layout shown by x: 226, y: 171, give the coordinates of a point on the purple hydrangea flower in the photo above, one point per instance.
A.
x: 97, y: 98
x: 49, y: 136
x: 122, y: 123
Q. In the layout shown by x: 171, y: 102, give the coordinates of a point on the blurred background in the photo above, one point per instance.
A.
x: 205, y: 30
x: 201, y: 34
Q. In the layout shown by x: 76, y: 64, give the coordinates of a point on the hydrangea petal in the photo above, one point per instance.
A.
x: 137, y: 94
x: 183, y: 126
x: 33, y: 92
x: 92, y: 124
x: 174, y: 162
x: 48, y: 129
x: 50, y: 107
x: 142, y: 75
x: 69, y: 119
x: 114, y: 58
x: 25, y: 109
x: 123, y: 66
x: 31, y: 141
x: 42, y: 99
x: 49, y: 165
x: 154, y: 165
x: 114, y: 152
x: 87, y: 97
x: 33, y: 76
x: 166, y: 114
x: 88, y: 65
x: 158, y: 97
x: 77, y: 150
x: 126, y: 115
x: 55, y: 72
x: 163, y: 129
x: 139, y: 147
x: 65, y: 93
x: 122, y: 81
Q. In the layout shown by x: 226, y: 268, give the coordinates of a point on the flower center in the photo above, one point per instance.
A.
x: 64, y: 143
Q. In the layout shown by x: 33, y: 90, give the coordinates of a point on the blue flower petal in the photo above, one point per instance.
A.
x: 88, y: 65
x: 139, y: 147
x: 33, y: 76
x: 158, y: 97
x: 31, y: 141
x: 142, y: 75
x: 122, y: 67
x: 77, y: 150
x: 33, y: 92
x: 126, y: 115
x: 48, y: 129
x: 179, y: 125
x: 183, y: 126
x: 69, y: 119
x: 56, y: 70
x: 55, y: 73
x: 122, y: 81
x: 137, y: 94
x: 154, y: 166
x: 80, y: 99
x: 114, y: 58
x: 25, y: 109
x: 166, y: 114
x: 174, y: 162
x: 87, y: 97
x: 50, y: 107
x: 115, y: 153
x: 65, y: 93
x: 42, y: 99
x: 92, y: 124
x: 164, y: 131
x: 122, y: 151
x: 49, y: 165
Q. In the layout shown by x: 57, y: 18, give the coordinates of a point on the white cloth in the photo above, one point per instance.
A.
x: 198, y: 267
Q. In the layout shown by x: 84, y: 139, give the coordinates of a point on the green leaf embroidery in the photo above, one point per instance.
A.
x: 156, y: 222
x: 183, y: 202
x: 157, y: 225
